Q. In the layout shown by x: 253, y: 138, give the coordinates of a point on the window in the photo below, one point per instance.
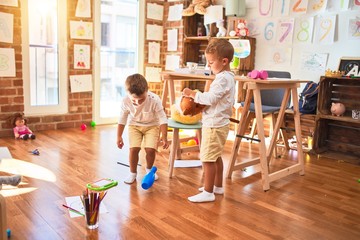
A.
x: 44, y: 56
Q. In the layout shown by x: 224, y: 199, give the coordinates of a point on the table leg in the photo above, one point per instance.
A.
x: 298, y: 130
x: 241, y: 131
x: 262, y: 147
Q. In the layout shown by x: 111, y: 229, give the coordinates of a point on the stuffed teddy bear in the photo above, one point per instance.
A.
x: 21, y: 130
x: 189, y: 107
x: 242, y: 30
x: 196, y: 6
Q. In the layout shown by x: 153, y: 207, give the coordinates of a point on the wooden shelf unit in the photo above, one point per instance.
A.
x: 338, y: 134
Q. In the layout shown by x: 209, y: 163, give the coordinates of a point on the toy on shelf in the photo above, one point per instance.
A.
x: 337, y: 109
x: 242, y: 30
x: 329, y: 73
x: 222, y: 29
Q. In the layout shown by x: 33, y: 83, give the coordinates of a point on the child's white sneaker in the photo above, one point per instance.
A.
x: 202, y: 197
x: 216, y: 190
x: 130, y: 179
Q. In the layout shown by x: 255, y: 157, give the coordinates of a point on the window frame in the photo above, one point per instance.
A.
x: 62, y: 106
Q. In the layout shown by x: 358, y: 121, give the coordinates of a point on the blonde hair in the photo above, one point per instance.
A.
x: 136, y: 84
x: 222, y: 48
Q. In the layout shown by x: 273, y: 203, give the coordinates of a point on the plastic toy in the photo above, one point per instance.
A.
x: 179, y: 117
x: 83, y: 126
x: 191, y: 142
x: 93, y: 124
x: 35, y: 152
x: 149, y: 179
x: 102, y: 184
x: 337, y: 109
x: 222, y: 29
x: 258, y: 74
x: 8, y: 232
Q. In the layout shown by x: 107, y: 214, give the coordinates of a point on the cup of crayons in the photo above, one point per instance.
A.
x: 92, y: 198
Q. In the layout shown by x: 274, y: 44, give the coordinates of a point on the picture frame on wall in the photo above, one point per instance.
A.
x: 350, y: 66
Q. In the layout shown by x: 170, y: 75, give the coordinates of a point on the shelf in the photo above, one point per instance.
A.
x: 338, y: 118
x: 206, y: 38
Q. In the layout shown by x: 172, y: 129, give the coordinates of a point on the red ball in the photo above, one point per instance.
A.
x: 83, y: 126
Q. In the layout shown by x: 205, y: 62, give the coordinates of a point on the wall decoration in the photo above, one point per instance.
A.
x: 355, y: 5
x: 81, y: 30
x: 172, y: 42
x: 298, y: 7
x: 281, y: 8
x: 154, y: 32
x: 152, y: 74
x: 11, y: 3
x: 314, y: 62
x: 175, y: 12
x: 316, y: 6
x: 265, y: 8
x: 7, y: 62
x: 336, y: 5
x: 350, y: 65
x: 303, y: 32
x: 154, y: 53
x: 81, y: 83
x: 155, y: 11
x: 285, y: 31
x: 269, y: 32
x: 172, y: 62
x: 6, y: 27
x: 354, y: 29
x: 83, y: 9
x: 280, y: 56
x: 81, y: 56
x: 325, y: 29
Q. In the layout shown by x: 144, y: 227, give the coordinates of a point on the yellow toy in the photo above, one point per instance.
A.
x: 196, y: 6
x: 179, y: 117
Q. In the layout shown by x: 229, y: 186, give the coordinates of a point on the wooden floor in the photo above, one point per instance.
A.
x: 323, y: 204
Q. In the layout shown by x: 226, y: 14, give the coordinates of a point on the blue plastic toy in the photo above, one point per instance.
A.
x: 35, y: 152
x: 149, y: 179
x: 8, y: 232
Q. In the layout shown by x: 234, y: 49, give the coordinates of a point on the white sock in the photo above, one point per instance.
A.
x: 148, y: 170
x: 202, y: 197
x: 131, y: 178
x: 216, y: 190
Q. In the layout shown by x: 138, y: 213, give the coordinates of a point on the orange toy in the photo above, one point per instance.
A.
x: 189, y: 107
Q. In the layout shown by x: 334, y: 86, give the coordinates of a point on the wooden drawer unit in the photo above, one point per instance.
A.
x: 338, y: 134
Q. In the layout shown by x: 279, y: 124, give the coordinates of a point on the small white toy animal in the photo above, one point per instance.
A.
x: 222, y: 29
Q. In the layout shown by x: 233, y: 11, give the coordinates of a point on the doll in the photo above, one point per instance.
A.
x: 21, y: 130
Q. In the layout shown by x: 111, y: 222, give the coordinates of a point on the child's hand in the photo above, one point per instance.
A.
x: 165, y: 143
x: 120, y: 143
x: 187, y: 92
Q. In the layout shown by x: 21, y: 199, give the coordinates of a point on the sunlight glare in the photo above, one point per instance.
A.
x: 26, y: 169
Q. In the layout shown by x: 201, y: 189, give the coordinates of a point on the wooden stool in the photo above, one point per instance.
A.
x: 175, y: 149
